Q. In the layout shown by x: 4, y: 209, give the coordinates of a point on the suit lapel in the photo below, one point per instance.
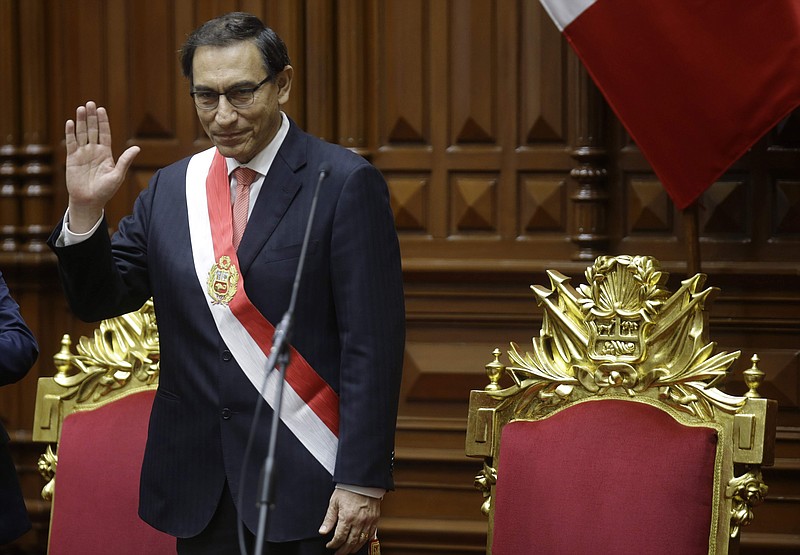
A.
x: 280, y: 187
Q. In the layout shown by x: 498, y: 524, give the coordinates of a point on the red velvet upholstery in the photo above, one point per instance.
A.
x: 95, y: 505
x: 604, y: 477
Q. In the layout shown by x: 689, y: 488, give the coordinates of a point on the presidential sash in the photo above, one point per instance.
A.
x: 310, y: 407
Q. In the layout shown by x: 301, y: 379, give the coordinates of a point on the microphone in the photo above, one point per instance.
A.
x: 283, y: 331
x: 279, y: 355
x: 323, y: 171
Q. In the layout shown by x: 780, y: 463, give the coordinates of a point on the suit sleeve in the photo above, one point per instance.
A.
x: 368, y: 294
x: 18, y: 348
x: 103, y: 279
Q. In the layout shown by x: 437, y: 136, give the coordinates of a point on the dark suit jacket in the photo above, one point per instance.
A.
x: 18, y: 352
x: 349, y: 325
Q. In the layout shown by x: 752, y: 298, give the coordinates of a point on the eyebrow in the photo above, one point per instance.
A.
x: 237, y: 85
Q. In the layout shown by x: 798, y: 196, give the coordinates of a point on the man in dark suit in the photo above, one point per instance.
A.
x: 18, y: 352
x: 216, y: 304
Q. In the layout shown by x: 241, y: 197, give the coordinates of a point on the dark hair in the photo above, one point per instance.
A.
x: 231, y: 28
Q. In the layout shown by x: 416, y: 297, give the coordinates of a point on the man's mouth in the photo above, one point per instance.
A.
x: 228, y: 138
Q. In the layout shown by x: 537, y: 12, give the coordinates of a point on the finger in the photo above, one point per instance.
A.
x: 340, y: 539
x: 80, y: 125
x: 330, y: 519
x: 362, y: 538
x: 125, y: 160
x: 104, y: 127
x: 91, y: 123
x: 69, y: 136
x: 355, y: 541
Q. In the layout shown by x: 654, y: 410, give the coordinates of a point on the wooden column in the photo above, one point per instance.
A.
x: 10, y: 213
x: 589, y: 200
x: 353, y: 62
x: 25, y: 154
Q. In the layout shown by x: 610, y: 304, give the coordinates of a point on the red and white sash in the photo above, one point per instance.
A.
x: 310, y: 407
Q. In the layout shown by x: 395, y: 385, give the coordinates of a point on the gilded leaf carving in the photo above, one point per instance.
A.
x: 621, y: 330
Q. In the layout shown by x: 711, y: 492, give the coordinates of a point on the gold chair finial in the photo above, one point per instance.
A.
x: 494, y: 370
x: 753, y: 377
x: 63, y: 358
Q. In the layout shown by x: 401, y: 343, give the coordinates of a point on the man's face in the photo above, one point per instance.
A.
x: 239, y: 133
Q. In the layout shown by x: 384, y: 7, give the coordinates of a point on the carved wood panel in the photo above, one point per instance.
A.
x: 502, y: 161
x: 472, y: 129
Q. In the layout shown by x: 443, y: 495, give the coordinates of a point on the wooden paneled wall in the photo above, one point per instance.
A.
x: 502, y: 161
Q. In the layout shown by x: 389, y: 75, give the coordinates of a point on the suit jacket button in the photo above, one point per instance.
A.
x: 226, y: 355
x: 226, y: 413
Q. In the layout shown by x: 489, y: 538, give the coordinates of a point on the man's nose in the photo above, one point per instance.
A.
x: 226, y: 113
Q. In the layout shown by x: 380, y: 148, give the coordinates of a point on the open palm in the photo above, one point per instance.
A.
x: 92, y: 176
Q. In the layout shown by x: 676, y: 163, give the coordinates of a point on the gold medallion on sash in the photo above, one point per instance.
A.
x: 223, y: 279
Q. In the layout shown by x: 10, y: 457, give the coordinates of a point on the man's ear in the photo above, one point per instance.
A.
x: 284, y: 82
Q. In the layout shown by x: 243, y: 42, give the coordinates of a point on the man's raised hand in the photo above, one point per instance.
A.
x: 92, y: 176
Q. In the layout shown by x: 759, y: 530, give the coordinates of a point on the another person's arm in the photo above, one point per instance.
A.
x: 18, y: 348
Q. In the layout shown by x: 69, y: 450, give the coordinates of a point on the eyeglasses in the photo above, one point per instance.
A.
x: 238, y: 97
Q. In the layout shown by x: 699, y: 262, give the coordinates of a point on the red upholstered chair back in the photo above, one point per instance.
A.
x: 610, y: 477
x: 610, y: 436
x: 96, y: 497
x: 96, y: 409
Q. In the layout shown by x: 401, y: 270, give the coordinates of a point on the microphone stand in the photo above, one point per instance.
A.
x: 279, y: 357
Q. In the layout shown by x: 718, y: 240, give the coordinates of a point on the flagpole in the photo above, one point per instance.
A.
x: 692, y: 237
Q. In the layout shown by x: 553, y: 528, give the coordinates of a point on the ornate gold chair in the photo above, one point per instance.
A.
x: 610, y: 436
x: 96, y: 409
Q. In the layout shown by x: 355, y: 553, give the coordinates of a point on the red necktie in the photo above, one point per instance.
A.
x: 244, y: 177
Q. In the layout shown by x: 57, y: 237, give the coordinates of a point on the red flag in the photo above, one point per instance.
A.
x: 695, y: 82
